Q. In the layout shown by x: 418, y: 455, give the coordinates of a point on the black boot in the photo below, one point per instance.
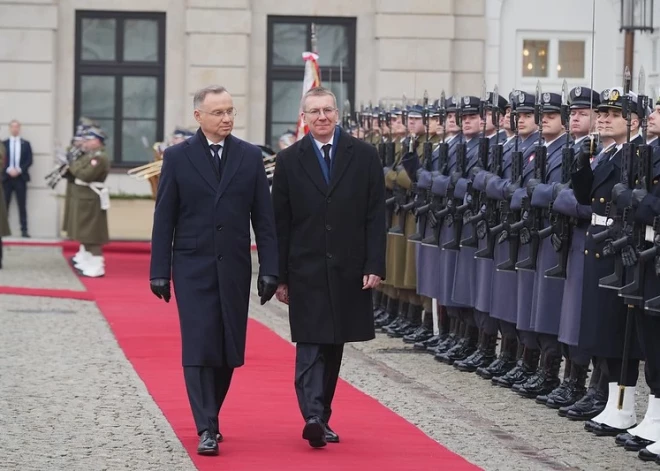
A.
x: 452, y: 340
x: 414, y: 321
x: 465, y: 347
x: 376, y: 298
x: 559, y: 390
x: 391, y: 310
x: 504, y: 362
x: 525, y: 367
x: 423, y: 332
x: 594, y: 401
x: 431, y: 343
x: 402, y: 314
x: 380, y: 310
x: 545, y: 380
x: 482, y: 357
x: 574, y: 390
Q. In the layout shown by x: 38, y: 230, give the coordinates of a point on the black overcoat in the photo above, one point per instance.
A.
x: 329, y: 236
x: 201, y: 235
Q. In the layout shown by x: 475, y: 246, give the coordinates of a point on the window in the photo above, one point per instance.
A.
x: 288, y: 38
x: 120, y: 79
x: 553, y: 59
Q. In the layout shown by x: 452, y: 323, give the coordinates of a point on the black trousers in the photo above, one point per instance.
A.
x: 207, y: 388
x: 317, y: 371
x: 648, y: 332
x: 19, y: 186
x: 486, y: 323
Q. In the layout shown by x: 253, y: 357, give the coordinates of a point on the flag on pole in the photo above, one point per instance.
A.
x: 311, y: 79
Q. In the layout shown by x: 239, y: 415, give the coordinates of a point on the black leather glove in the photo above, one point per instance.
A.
x: 525, y: 236
x: 161, y: 288
x: 629, y: 256
x: 637, y: 196
x: 621, y: 195
x: 555, y: 240
x: 608, y: 248
x: 510, y: 189
x: 482, y: 229
x: 583, y: 158
x: 504, y: 235
x: 266, y: 287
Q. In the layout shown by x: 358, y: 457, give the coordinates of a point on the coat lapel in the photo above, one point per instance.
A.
x: 234, y: 157
x: 197, y: 155
x: 310, y: 164
x: 343, y: 157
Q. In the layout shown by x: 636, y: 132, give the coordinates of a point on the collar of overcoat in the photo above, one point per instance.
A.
x: 310, y: 163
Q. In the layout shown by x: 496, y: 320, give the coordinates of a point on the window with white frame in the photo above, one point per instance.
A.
x: 550, y: 57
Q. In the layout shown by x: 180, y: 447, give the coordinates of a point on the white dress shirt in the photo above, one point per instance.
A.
x: 14, y: 153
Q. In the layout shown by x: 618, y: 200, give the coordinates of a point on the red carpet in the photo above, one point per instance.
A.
x: 260, y: 419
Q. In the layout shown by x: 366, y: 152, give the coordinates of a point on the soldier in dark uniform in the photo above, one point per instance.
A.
x: 603, y: 314
x: 504, y: 285
x: 484, y: 267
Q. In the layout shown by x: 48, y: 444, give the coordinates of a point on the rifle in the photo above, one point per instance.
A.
x: 489, y: 206
x: 652, y: 304
x: 472, y: 196
x: 615, y: 231
x: 423, y: 193
x: 434, y: 201
x: 389, y: 163
x: 508, y: 217
x: 450, y: 210
x: 382, y: 120
x: 533, y: 217
x: 401, y: 194
x: 560, y: 225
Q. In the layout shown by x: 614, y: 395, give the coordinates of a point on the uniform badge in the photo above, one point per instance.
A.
x: 466, y: 100
x: 578, y: 91
x: 521, y: 98
x: 546, y: 97
x: 93, y: 162
x: 453, y: 100
x: 614, y: 94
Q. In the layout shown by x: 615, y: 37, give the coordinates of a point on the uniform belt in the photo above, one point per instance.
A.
x: 650, y: 234
x: 97, y: 185
x: 598, y: 220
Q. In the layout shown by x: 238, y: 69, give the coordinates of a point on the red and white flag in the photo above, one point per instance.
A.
x: 312, y: 79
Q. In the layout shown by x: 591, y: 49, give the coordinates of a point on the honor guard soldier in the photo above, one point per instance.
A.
x: 603, y: 315
x: 90, y: 202
x: 4, y: 222
x: 520, y: 122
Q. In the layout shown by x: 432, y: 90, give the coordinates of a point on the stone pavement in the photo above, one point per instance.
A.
x: 66, y: 386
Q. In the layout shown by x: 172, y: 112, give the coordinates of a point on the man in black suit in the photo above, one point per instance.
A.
x: 329, y: 200
x: 15, y: 176
x: 211, y: 187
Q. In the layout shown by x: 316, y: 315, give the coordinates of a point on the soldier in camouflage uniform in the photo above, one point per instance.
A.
x: 90, y: 201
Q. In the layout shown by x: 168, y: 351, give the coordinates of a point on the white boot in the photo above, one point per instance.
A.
x: 80, y: 253
x: 95, y: 268
x: 649, y: 427
x: 612, y: 416
x: 82, y: 261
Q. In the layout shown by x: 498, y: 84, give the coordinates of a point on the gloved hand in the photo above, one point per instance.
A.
x: 474, y: 171
x: 266, y: 287
x: 467, y: 215
x: 637, y: 196
x: 481, y: 229
x: 455, y: 176
x: 525, y: 236
x: 531, y: 185
x: 621, y: 196
x: 583, y: 158
x: 557, y: 188
x: 608, y: 248
x: 555, y: 240
x: 504, y: 235
x: 160, y: 287
x: 629, y: 256
x: 510, y: 189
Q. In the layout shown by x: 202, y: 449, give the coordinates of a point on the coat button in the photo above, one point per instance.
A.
x: 328, y: 227
x: 218, y: 227
x: 586, y: 252
x: 593, y: 199
x: 328, y: 255
x: 587, y: 233
x: 597, y: 255
x: 655, y: 182
x: 327, y: 200
x: 219, y: 257
x: 602, y: 200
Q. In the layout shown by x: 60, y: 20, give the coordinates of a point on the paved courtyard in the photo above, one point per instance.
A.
x: 70, y: 400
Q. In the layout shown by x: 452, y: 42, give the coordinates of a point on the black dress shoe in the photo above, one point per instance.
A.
x: 330, y: 435
x: 604, y: 430
x: 208, y: 444
x: 314, y: 432
x: 421, y: 334
x: 431, y: 342
x: 568, y: 396
x: 622, y: 438
x: 637, y: 443
x: 588, y: 407
x: 646, y: 455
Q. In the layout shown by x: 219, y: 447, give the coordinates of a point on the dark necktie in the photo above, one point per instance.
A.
x: 215, y: 152
x: 326, y: 156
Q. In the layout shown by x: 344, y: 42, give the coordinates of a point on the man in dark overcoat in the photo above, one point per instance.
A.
x: 329, y: 200
x: 211, y: 187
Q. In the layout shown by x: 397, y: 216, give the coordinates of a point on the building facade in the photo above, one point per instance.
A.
x: 134, y: 65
